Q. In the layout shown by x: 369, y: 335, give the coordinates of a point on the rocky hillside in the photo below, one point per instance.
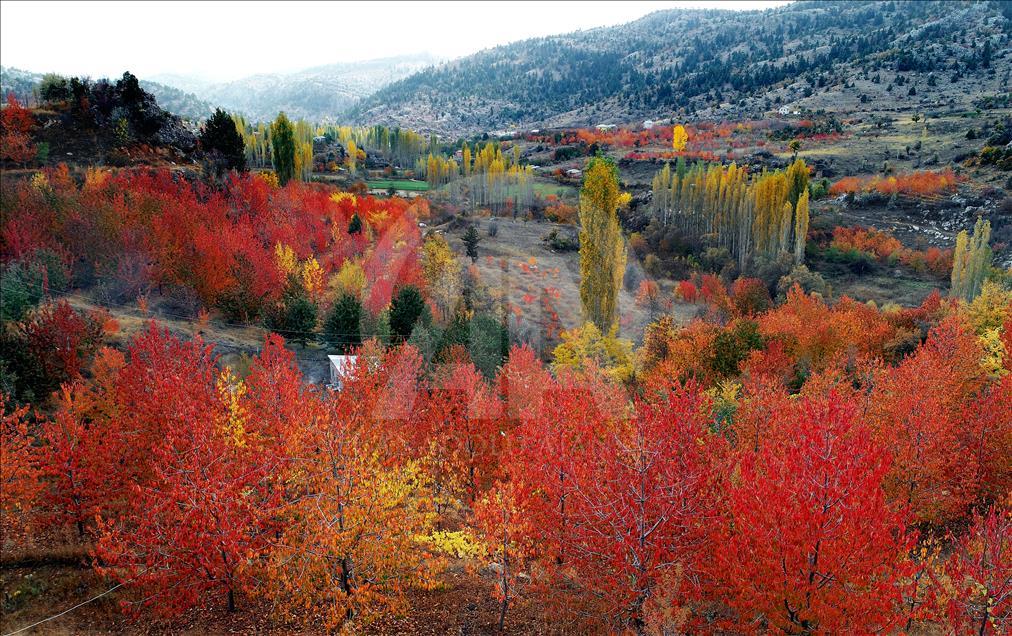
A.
x: 712, y: 62
x: 106, y: 122
x: 318, y: 94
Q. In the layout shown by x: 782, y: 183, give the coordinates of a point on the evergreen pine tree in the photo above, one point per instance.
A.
x: 342, y: 328
x: 355, y: 225
x: 220, y: 139
x: 405, y: 310
x: 471, y: 240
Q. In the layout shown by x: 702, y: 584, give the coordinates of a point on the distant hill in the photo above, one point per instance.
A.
x: 19, y: 82
x: 177, y: 102
x: 183, y: 104
x: 320, y: 93
x: 708, y: 62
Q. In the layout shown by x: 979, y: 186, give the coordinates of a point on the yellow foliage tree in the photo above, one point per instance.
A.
x: 352, y: 155
x: 349, y: 547
x: 602, y: 249
x: 585, y: 348
x: 231, y: 391
x: 350, y: 279
x: 285, y: 259
x: 800, y: 228
x: 442, y: 272
x: 751, y: 217
x: 679, y: 138
x: 971, y: 261
x: 312, y: 277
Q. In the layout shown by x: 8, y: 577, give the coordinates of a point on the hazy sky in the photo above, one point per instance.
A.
x: 228, y: 40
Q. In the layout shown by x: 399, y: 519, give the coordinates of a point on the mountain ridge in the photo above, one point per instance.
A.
x: 662, y: 64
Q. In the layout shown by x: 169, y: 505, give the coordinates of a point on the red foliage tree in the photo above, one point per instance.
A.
x: 507, y: 530
x: 641, y: 499
x: 977, y: 585
x: 811, y: 544
x: 750, y: 296
x: 541, y: 460
x: 76, y: 471
x: 61, y: 341
x: 988, y: 439
x: 687, y: 290
x: 16, y: 123
x: 523, y: 383
x: 203, y: 511
x: 464, y: 430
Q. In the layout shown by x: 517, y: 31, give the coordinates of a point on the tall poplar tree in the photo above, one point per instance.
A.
x: 800, y: 227
x: 283, y: 148
x: 971, y: 260
x: 602, y: 249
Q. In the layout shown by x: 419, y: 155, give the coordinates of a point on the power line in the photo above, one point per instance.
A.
x: 67, y: 611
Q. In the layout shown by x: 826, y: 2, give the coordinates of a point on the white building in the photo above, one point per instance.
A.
x: 340, y: 368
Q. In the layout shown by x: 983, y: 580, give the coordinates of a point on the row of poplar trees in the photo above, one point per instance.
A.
x: 282, y: 144
x: 752, y: 216
x: 971, y: 261
x: 489, y: 177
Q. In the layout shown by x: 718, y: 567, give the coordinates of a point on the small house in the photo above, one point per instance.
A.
x: 574, y: 173
x: 340, y: 368
x: 606, y: 127
x: 648, y: 124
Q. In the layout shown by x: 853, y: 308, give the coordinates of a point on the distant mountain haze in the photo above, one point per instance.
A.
x: 321, y: 93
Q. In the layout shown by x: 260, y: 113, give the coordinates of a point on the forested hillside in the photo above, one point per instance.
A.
x: 692, y: 60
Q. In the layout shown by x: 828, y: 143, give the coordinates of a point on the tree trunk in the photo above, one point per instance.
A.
x: 502, y: 611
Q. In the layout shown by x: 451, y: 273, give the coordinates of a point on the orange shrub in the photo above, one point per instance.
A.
x: 920, y: 183
x: 880, y: 244
x: 687, y: 291
x: 844, y: 185
x: 883, y: 245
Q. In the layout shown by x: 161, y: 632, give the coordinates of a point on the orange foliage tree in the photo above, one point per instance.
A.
x: 918, y: 411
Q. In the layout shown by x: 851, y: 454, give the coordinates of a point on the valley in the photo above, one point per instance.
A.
x: 697, y: 324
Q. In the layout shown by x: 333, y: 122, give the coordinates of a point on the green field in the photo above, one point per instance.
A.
x: 544, y: 188
x: 397, y: 184
x: 540, y: 188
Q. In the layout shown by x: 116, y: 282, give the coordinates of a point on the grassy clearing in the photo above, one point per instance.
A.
x: 545, y: 188
x: 398, y: 184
